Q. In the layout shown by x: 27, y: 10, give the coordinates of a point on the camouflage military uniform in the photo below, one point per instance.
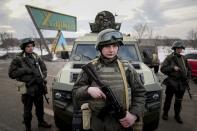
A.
x: 21, y: 70
x: 109, y: 73
x: 176, y: 82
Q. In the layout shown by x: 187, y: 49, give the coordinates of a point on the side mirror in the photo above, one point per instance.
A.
x: 64, y: 55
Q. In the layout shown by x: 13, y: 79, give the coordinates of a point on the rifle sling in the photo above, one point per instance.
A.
x: 37, y: 64
x: 184, y: 66
x: 122, y: 71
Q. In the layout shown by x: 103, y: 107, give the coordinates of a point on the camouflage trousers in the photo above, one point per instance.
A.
x: 28, y: 102
x: 109, y: 123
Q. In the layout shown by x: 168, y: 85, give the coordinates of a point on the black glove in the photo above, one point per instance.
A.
x: 45, y: 90
x: 45, y: 82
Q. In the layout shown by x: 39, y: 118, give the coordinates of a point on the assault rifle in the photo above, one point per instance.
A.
x: 44, y: 86
x: 111, y: 100
x: 188, y: 90
x: 184, y: 77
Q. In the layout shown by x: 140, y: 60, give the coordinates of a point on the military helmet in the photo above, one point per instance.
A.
x: 109, y: 36
x: 25, y: 42
x: 178, y: 44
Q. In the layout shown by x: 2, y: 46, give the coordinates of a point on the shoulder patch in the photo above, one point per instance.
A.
x: 94, y: 61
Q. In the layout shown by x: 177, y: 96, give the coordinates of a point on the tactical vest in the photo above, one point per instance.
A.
x: 21, y: 86
x: 111, y: 76
x: 182, y: 64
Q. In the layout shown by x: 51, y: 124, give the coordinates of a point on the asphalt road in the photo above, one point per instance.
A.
x: 11, y: 107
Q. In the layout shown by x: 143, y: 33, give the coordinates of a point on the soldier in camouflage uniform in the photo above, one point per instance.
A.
x: 21, y: 69
x: 108, y: 70
x: 176, y: 67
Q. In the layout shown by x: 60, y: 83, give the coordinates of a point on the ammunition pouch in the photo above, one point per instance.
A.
x: 21, y: 87
x: 86, y: 116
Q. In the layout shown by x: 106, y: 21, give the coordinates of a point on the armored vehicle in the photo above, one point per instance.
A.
x: 82, y: 52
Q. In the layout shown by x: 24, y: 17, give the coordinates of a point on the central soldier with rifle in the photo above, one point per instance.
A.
x: 30, y: 72
x: 108, y: 94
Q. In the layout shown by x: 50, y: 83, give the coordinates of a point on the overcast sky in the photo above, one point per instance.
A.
x: 172, y: 18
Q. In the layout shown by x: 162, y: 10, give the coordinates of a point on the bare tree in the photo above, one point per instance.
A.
x: 156, y: 40
x: 5, y: 35
x: 149, y: 32
x: 7, y: 40
x: 139, y: 30
x: 142, y: 31
x: 168, y: 41
x: 192, y: 36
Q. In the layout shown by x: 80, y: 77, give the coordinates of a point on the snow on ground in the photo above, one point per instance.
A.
x: 163, y: 51
x: 37, y: 50
x: 17, y: 50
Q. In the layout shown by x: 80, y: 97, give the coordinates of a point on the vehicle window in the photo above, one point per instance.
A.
x: 88, y: 52
x: 128, y: 52
x: 191, y: 56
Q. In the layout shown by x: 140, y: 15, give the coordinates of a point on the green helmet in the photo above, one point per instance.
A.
x: 178, y: 44
x: 25, y: 42
x: 109, y: 36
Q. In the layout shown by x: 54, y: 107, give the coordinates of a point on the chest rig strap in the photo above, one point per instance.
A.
x: 122, y: 72
x: 37, y: 63
x: 184, y: 65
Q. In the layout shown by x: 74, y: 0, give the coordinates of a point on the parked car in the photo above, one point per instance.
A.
x: 150, y: 56
x: 192, y: 60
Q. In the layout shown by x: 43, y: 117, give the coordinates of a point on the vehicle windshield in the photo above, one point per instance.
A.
x: 88, y: 52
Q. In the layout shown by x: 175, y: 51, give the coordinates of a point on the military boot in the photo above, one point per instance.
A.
x: 178, y: 119
x: 28, y: 127
x: 44, y: 124
x: 165, y: 116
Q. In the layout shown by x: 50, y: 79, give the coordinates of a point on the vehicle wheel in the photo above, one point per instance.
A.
x: 156, y: 69
x: 153, y: 125
x: 59, y: 124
